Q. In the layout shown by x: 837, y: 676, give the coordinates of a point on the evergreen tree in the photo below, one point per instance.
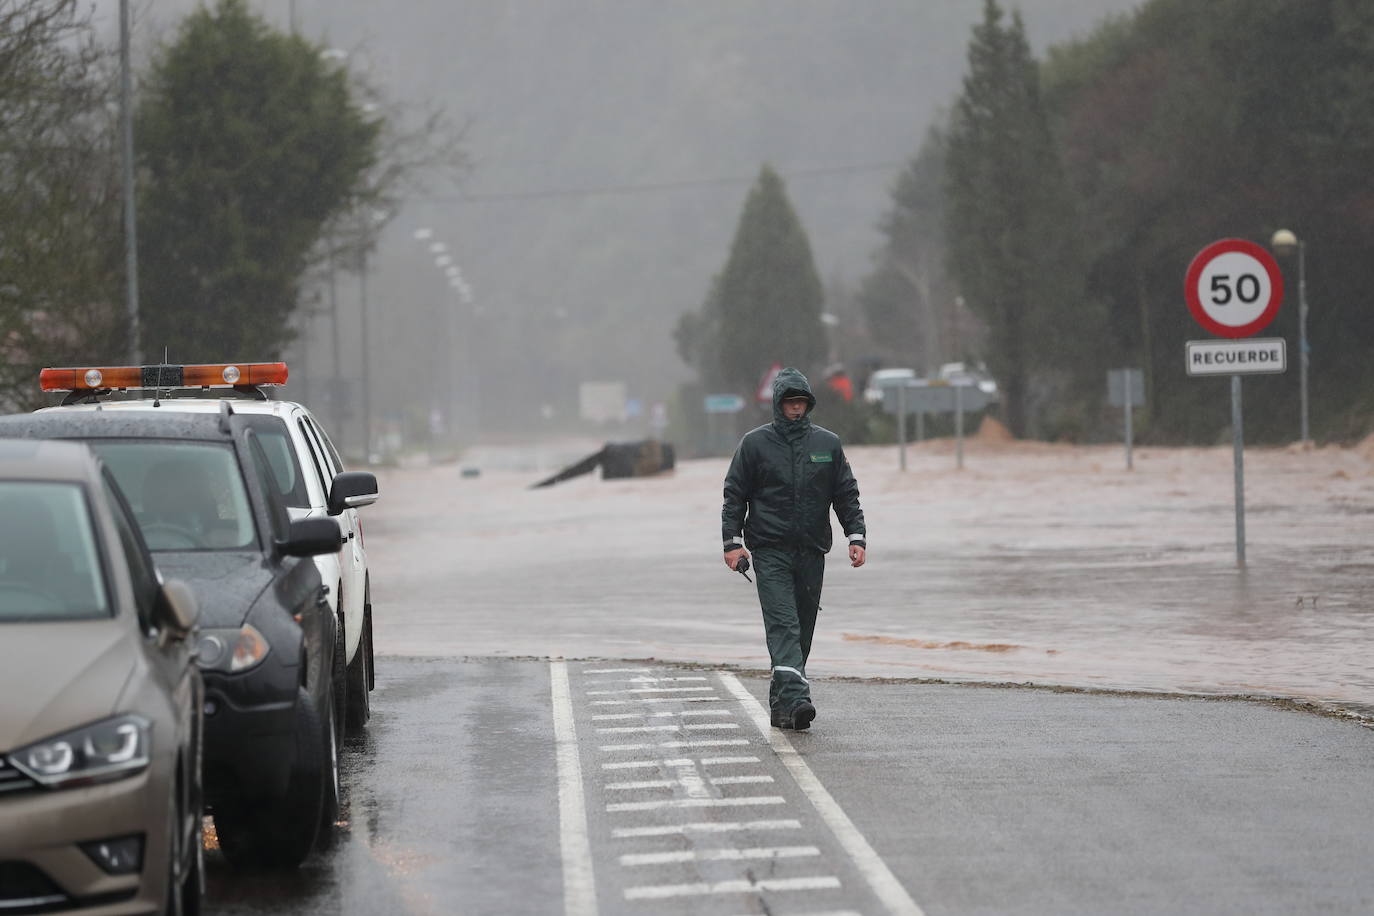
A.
x: 907, y: 298
x: 251, y: 142
x: 765, y: 306
x: 1010, y: 227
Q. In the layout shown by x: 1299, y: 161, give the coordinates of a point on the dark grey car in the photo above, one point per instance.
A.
x: 268, y: 646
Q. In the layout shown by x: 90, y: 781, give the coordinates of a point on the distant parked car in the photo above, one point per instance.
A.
x: 101, y: 722
x: 881, y: 379
x: 962, y: 373
x: 269, y: 647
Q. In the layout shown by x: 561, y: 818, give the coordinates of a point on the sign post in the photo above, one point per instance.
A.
x: 959, y: 425
x: 1126, y: 389
x: 715, y: 405
x: 922, y: 396
x: 901, y: 426
x: 1234, y: 289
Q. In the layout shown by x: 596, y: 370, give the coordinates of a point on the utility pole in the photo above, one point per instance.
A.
x: 126, y: 119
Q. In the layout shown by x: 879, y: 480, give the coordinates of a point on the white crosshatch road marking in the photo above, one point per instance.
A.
x: 710, y: 699
x: 742, y: 886
x: 686, y: 713
x: 667, y: 712
x: 601, y: 693
x: 631, y: 860
x: 684, y: 762
x: 645, y: 729
x: 874, y: 870
x: 722, y: 742
x: 676, y: 803
x: 674, y: 783
x: 625, y: 833
x: 647, y: 680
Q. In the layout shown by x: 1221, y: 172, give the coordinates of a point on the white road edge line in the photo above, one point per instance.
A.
x: 885, y: 884
x: 579, y: 879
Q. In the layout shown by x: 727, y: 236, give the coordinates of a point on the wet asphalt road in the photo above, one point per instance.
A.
x: 903, y: 798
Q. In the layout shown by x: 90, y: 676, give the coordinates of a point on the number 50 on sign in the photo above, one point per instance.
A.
x: 1234, y: 288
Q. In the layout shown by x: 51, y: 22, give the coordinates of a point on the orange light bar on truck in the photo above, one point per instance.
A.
x: 221, y: 375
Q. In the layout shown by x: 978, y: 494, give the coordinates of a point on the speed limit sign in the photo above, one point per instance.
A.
x: 1234, y: 288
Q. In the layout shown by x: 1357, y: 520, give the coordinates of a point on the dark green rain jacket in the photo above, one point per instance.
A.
x: 785, y: 477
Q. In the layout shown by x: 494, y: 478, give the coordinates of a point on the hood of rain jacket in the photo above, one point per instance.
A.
x: 785, y: 478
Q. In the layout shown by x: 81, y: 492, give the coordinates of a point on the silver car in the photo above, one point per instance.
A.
x: 100, y: 728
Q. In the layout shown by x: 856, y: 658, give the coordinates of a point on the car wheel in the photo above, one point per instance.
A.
x: 360, y: 680
x: 367, y: 628
x: 338, y: 675
x: 280, y: 832
x: 193, y: 882
x: 333, y: 788
x: 185, y: 855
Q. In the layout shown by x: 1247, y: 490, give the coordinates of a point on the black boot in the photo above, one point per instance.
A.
x: 802, y: 714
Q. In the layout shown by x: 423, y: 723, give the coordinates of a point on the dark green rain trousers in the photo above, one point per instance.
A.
x: 783, y: 481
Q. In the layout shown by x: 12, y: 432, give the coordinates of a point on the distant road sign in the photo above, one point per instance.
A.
x: 1234, y: 288
x: 724, y: 403
x: 917, y: 395
x: 1121, y: 382
x: 1257, y: 356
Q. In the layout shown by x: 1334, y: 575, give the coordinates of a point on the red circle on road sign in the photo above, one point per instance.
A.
x: 1224, y: 267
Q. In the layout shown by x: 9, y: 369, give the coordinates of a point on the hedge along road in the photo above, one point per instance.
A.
x: 520, y: 786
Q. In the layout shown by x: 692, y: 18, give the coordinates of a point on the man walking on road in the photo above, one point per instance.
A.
x: 783, y: 480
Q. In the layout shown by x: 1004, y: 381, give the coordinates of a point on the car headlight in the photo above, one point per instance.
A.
x: 111, y: 749
x: 249, y: 650
x: 232, y: 650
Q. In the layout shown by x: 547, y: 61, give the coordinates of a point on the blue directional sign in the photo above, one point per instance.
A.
x: 724, y: 403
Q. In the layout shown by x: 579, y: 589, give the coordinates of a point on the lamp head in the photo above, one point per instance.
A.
x: 1284, y: 242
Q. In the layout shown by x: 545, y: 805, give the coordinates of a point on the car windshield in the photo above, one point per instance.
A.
x: 185, y: 495
x: 49, y: 565
x: 281, y: 456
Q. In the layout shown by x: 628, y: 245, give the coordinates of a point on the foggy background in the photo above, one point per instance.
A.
x: 612, y: 145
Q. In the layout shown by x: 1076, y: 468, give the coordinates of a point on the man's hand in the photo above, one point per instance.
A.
x: 732, y: 557
x: 856, y: 556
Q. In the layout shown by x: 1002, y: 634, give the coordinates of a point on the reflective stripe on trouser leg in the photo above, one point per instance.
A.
x: 789, y: 583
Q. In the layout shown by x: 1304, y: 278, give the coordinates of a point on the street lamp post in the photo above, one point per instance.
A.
x: 443, y: 260
x: 1285, y: 242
